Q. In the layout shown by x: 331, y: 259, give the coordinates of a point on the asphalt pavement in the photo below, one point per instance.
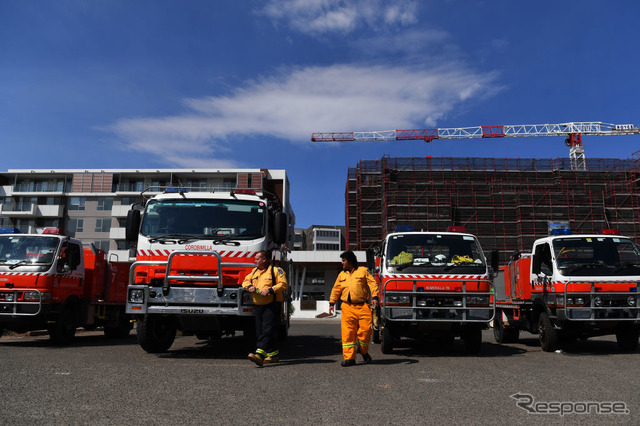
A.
x: 101, y: 381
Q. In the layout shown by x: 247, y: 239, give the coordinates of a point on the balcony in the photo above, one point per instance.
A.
x: 24, y: 211
x: 50, y: 210
x: 120, y: 211
x: 117, y: 233
x: 33, y: 210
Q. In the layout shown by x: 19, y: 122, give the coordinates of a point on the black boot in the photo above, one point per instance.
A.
x: 348, y: 362
x: 367, y: 358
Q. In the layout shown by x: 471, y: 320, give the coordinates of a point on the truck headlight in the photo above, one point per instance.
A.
x: 8, y: 297
x: 477, y: 300
x: 136, y: 296
x: 34, y: 296
x: 631, y: 301
x: 597, y: 301
x: 247, y: 298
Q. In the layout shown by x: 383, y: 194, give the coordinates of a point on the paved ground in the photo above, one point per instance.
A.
x: 101, y: 381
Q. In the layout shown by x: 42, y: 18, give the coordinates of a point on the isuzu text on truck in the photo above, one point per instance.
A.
x: 572, y: 287
x: 194, y: 250
x: 50, y: 282
x: 433, y: 284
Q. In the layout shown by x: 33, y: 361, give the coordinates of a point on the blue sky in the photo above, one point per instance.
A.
x: 194, y: 83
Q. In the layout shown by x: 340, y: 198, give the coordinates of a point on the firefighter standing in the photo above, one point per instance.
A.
x: 355, y: 286
x: 267, y: 284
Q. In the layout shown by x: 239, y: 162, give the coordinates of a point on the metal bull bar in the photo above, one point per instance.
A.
x: 614, y: 305
x: 14, y: 307
x: 199, y: 278
x: 423, y: 313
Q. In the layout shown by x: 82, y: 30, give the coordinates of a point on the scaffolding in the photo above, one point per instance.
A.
x: 506, y: 203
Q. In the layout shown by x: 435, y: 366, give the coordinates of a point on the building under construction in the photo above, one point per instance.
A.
x: 507, y: 203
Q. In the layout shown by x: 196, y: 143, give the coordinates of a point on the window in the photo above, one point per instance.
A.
x: 103, y: 225
x: 127, y: 201
x: 542, y: 260
x: 76, y: 203
x: 102, y: 244
x: 75, y: 225
x: 105, y: 203
x: 52, y: 201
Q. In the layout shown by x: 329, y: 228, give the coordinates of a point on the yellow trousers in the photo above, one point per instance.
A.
x: 356, y: 323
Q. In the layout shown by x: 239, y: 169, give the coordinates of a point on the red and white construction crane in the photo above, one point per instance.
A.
x: 572, y: 131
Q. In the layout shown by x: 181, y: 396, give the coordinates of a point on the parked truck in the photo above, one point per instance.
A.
x: 50, y: 282
x: 195, y: 246
x: 572, y: 287
x: 433, y: 285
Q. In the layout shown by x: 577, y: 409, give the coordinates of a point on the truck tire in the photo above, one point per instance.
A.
x: 156, y: 333
x: 387, y: 341
x: 547, y: 334
x: 627, y: 338
x: 472, y: 337
x: 502, y: 334
x: 64, y: 329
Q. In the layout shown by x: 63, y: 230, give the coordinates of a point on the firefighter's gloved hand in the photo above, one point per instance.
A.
x: 251, y: 289
x: 264, y: 292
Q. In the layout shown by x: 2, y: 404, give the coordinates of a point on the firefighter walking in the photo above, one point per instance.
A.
x: 358, y: 291
x: 267, y: 284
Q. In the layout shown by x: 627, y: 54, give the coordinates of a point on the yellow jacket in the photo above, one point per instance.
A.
x: 357, y: 285
x: 263, y: 280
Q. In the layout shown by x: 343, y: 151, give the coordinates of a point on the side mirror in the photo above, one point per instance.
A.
x: 280, y: 227
x: 495, y: 260
x: 371, y: 260
x: 133, y: 225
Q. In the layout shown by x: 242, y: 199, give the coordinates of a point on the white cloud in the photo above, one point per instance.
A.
x: 297, y: 102
x: 316, y: 17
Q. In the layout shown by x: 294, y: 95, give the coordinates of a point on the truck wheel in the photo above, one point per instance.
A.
x: 156, y: 333
x: 547, y: 335
x: 472, y: 337
x: 627, y: 338
x: 387, y: 341
x: 502, y: 334
x: 119, y: 332
x: 64, y: 329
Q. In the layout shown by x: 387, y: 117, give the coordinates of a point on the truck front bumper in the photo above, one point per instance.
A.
x: 143, y: 299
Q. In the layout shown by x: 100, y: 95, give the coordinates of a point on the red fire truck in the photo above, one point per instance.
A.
x: 433, y: 284
x: 572, y: 287
x: 49, y: 281
x: 194, y: 249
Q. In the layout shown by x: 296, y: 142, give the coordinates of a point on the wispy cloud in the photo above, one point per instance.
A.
x: 295, y: 102
x: 317, y: 17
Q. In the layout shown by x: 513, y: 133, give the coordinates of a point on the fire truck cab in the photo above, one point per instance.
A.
x: 194, y: 249
x: 51, y: 282
x: 433, y: 284
x: 572, y: 287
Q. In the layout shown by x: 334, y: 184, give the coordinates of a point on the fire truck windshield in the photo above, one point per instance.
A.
x: 435, y: 253
x: 204, y: 219
x: 596, y: 256
x: 18, y: 250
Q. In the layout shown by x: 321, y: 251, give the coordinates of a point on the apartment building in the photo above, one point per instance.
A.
x: 92, y: 205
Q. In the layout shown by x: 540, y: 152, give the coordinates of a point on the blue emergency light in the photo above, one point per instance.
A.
x: 9, y: 231
x: 175, y: 191
x: 560, y: 231
x: 404, y: 228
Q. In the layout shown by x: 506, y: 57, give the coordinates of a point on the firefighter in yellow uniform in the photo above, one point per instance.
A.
x: 358, y: 291
x: 267, y: 284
